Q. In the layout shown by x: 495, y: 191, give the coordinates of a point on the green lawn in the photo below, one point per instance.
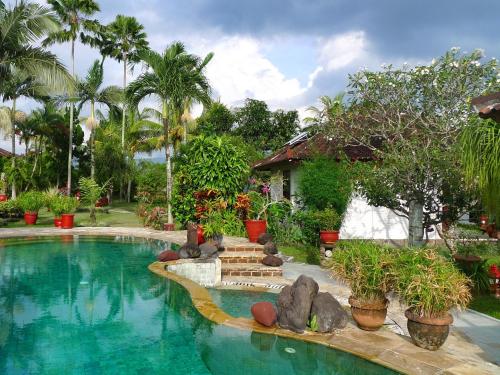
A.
x: 301, y: 253
x: 119, y: 214
x: 487, y: 304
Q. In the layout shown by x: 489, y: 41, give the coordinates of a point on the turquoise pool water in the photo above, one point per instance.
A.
x: 90, y: 306
x: 239, y: 302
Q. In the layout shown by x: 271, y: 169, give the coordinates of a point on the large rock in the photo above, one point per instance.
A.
x: 167, y: 256
x: 329, y: 313
x: 294, y: 303
x: 264, y: 313
x: 264, y: 238
x: 272, y: 261
x: 270, y: 248
x: 189, y: 251
x: 208, y: 250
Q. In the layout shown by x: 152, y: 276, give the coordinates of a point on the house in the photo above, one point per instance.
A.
x: 362, y: 221
x: 4, y: 153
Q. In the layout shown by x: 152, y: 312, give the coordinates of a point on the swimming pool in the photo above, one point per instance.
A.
x: 87, y: 305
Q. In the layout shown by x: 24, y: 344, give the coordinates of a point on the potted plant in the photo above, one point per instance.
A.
x: 68, y: 207
x: 430, y: 285
x: 31, y: 202
x: 3, y: 188
x: 329, y: 223
x: 213, y: 227
x: 55, y: 206
x: 365, y: 266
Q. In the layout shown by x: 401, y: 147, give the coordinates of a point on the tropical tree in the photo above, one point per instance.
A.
x: 72, y: 14
x: 90, y: 91
x: 331, y: 108
x: 127, y: 38
x: 173, y: 76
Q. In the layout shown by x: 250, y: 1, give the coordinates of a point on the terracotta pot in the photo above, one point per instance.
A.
x: 168, y: 226
x: 67, y: 221
x: 199, y: 232
x: 328, y: 236
x: 57, y: 222
x: 428, y: 333
x: 30, y: 218
x: 368, y: 316
x: 255, y: 228
x: 483, y: 220
x: 4, y: 197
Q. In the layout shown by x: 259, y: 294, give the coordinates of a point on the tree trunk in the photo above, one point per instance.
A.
x: 168, y: 161
x: 129, y: 189
x: 123, y: 104
x: 92, y: 156
x: 71, y: 114
x: 13, y: 124
x: 415, y: 223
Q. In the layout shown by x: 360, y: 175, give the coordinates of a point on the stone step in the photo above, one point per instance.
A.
x: 250, y: 270
x: 241, y: 257
x: 251, y: 248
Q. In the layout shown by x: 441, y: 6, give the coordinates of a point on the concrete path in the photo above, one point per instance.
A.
x: 480, y: 329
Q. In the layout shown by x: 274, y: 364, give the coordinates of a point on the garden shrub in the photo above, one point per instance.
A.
x: 151, y: 182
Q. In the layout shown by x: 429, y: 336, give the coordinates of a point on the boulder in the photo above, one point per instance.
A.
x: 189, y: 251
x: 329, y: 313
x: 294, y: 303
x: 264, y: 313
x: 272, y: 261
x: 264, y: 238
x: 167, y: 256
x: 270, y: 248
x: 208, y: 250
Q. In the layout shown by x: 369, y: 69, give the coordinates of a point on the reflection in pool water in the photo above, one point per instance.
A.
x: 90, y: 306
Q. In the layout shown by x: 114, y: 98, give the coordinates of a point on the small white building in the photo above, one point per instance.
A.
x: 361, y: 220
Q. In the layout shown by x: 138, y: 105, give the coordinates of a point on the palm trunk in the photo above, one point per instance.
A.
x: 129, y: 189
x: 13, y: 120
x: 168, y: 161
x: 92, y: 142
x: 123, y: 104
x: 415, y: 221
x: 71, y: 114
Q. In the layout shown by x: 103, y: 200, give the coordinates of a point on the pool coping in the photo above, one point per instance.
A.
x: 381, y: 347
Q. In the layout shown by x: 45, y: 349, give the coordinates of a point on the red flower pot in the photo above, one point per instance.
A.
x: 67, y: 221
x: 255, y: 228
x: 30, y: 218
x: 168, y: 226
x: 328, y: 236
x: 57, y: 222
x: 4, y: 197
x: 199, y: 231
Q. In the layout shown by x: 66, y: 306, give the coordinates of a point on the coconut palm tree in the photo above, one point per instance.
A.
x: 72, y: 14
x: 331, y: 107
x: 90, y: 91
x: 127, y: 38
x: 172, y: 78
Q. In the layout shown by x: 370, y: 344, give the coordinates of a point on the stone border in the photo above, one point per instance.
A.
x: 382, y: 347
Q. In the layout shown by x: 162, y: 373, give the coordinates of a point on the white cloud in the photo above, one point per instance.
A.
x: 342, y: 50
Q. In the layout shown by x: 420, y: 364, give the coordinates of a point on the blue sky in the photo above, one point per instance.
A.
x: 289, y: 52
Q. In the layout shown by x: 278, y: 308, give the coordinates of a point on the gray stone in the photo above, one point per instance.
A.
x: 264, y: 238
x: 270, y: 248
x: 208, y: 250
x: 189, y: 251
x: 294, y: 304
x: 272, y: 261
x: 329, y: 313
x: 328, y: 253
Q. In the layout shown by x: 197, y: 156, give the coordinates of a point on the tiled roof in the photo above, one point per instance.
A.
x: 307, y: 147
x: 488, y: 106
x: 5, y: 153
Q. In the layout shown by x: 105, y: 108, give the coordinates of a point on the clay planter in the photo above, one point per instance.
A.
x: 328, y: 236
x: 57, y: 222
x: 4, y: 197
x: 199, y: 232
x: 428, y: 333
x: 255, y: 228
x: 30, y: 218
x: 67, y: 221
x: 168, y: 226
x: 368, y: 316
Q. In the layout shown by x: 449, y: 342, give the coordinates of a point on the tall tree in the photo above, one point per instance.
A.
x: 172, y: 77
x: 91, y: 92
x: 127, y: 38
x: 72, y: 15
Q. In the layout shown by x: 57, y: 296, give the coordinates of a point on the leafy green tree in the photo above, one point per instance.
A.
x: 91, y: 191
x: 217, y: 120
x: 411, y: 119
x: 173, y: 77
x: 72, y: 15
x: 285, y: 126
x: 90, y: 91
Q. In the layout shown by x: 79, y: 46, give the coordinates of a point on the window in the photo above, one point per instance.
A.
x: 286, y: 184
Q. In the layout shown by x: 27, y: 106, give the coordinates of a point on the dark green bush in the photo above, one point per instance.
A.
x: 151, y: 182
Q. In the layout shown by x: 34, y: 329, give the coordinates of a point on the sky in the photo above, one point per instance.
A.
x: 290, y: 52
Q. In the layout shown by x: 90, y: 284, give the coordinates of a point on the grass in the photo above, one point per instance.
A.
x: 119, y: 214
x: 487, y: 304
x: 302, y: 253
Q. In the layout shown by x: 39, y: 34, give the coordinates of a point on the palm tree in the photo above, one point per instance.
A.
x: 71, y: 14
x: 127, y: 39
x: 331, y: 107
x: 90, y: 91
x: 172, y: 78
